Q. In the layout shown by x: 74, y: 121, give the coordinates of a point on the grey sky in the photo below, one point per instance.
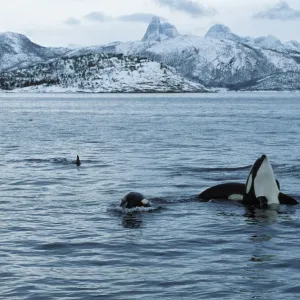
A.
x: 280, y: 11
x: 97, y: 16
x: 90, y: 22
x: 72, y: 21
x: 192, y: 7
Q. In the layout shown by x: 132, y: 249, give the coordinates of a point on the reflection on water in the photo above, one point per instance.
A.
x: 260, y: 216
x: 132, y: 220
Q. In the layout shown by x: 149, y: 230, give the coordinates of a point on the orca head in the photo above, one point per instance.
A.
x: 261, y: 183
x: 134, y: 199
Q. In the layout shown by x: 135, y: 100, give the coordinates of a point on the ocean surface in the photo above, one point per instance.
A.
x: 64, y: 236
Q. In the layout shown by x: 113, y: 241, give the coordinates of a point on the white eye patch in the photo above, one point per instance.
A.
x: 145, y: 201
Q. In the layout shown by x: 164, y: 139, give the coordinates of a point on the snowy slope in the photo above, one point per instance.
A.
x: 16, y: 50
x: 292, y: 45
x: 286, y: 81
x: 108, y: 48
x: 98, y: 73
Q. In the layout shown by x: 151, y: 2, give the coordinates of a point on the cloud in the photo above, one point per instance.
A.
x: 97, y: 16
x: 190, y: 7
x: 72, y: 21
x: 281, y: 11
x: 138, y: 17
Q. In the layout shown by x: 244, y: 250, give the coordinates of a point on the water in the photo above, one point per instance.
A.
x: 63, y: 235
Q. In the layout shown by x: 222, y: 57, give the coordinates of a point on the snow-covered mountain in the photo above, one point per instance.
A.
x: 220, y: 59
x: 16, y: 51
x: 98, y: 73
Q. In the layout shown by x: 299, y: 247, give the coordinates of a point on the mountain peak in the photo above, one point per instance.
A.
x: 218, y: 28
x: 12, y: 36
x: 158, y: 31
x: 222, y: 32
x: 268, y: 42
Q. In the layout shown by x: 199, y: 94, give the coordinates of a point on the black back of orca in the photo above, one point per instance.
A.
x: 223, y: 191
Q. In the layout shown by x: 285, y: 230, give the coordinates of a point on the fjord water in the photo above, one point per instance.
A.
x: 63, y: 235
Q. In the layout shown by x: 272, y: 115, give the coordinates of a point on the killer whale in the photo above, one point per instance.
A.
x: 134, y: 199
x: 261, y: 188
x: 262, y: 185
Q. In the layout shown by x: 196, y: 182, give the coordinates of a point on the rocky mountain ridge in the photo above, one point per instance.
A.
x: 269, y: 42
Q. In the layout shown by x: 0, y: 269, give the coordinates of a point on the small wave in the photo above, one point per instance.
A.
x: 67, y: 246
x: 29, y: 161
x: 262, y: 258
x: 61, y: 161
x: 135, y: 209
x: 217, y: 169
x: 184, y: 170
x: 53, y: 246
x: 288, y: 170
x: 56, y: 160
x: 174, y: 199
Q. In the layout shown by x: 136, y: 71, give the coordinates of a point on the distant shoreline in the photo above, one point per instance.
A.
x: 3, y: 92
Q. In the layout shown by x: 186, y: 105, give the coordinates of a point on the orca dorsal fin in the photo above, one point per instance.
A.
x: 78, y: 162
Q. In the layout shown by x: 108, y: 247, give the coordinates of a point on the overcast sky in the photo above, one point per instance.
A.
x: 91, y: 22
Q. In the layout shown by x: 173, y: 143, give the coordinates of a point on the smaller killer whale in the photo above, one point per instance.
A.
x: 261, y: 188
x: 134, y: 199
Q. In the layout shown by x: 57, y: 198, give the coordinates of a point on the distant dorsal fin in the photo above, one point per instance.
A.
x: 78, y: 162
